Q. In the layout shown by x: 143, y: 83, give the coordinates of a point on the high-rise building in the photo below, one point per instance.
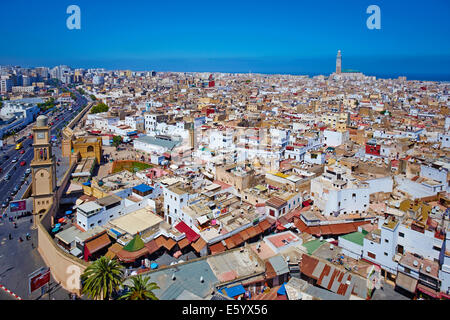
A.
x: 339, y: 62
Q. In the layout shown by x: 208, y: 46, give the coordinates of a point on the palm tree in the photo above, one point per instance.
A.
x: 102, y: 278
x: 141, y: 289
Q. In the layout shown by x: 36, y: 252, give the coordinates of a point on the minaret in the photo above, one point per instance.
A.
x: 43, y: 167
x: 338, y: 62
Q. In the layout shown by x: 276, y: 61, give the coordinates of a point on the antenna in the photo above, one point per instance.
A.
x: 201, y: 279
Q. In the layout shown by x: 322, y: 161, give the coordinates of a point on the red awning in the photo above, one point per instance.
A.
x: 428, y: 291
x: 191, y: 235
x: 217, y: 248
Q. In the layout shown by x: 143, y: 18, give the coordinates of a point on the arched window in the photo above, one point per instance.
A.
x: 90, y: 149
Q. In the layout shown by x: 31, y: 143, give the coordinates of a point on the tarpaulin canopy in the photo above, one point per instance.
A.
x: 235, y: 291
x: 154, y: 265
x: 282, y: 290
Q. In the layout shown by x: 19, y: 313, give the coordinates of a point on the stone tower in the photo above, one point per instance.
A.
x: 339, y: 62
x: 43, y: 167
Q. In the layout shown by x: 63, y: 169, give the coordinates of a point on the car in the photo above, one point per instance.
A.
x: 14, y: 160
x: 4, y: 204
x: 51, y: 123
x: 16, y: 189
x: 23, y: 163
x: 5, y: 157
x: 22, y: 151
x: 28, y: 171
x: 7, y: 177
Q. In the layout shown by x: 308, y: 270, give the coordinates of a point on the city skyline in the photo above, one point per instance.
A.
x: 293, y: 38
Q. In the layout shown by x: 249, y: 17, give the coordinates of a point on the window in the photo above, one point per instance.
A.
x: 386, y: 254
x: 371, y: 255
x: 99, y: 221
x: 436, y: 248
x: 386, y: 240
x: 401, y: 234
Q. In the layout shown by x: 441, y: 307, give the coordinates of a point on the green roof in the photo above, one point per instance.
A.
x: 355, y: 237
x: 313, y: 245
x: 135, y: 244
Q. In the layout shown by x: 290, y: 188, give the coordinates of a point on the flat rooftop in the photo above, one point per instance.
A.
x: 137, y: 221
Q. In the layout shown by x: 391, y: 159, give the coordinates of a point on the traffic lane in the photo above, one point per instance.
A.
x: 7, y: 164
x: 7, y: 186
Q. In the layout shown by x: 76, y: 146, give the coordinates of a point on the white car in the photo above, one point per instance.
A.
x: 14, y: 160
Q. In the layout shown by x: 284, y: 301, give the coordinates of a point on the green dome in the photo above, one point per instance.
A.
x: 134, y: 245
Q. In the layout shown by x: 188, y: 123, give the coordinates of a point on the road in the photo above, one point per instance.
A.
x: 18, y: 258
x: 15, y: 170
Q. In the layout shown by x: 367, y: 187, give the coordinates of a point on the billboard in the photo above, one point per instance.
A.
x: 16, y: 206
x: 38, y: 279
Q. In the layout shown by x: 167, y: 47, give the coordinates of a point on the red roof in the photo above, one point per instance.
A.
x: 334, y: 229
x: 191, y: 235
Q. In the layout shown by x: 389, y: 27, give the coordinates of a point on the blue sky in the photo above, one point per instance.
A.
x: 231, y: 36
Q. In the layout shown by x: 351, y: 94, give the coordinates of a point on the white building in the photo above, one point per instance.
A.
x: 335, y: 138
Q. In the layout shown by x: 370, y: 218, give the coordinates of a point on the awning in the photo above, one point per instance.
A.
x: 152, y: 246
x: 112, y: 251
x: 198, y: 245
x: 244, y: 234
x: 265, y: 225
x: 127, y: 256
x: 217, y: 248
x: 170, y: 243
x: 229, y: 243
x: 428, y: 291
x: 183, y: 243
x: 237, y: 239
x: 235, y: 291
x: 282, y: 290
x: 98, y: 243
x: 406, y: 282
x: 75, y: 251
x: 190, y: 234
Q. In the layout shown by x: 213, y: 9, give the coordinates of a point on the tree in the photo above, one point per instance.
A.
x: 117, y: 140
x: 102, y: 278
x: 101, y: 107
x: 93, y: 97
x: 141, y: 289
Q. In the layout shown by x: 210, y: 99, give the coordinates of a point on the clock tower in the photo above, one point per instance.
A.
x: 43, y: 167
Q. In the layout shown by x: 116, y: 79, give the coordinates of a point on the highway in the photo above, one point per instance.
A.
x: 15, y: 170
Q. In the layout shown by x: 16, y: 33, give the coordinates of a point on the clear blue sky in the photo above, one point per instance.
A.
x: 231, y: 36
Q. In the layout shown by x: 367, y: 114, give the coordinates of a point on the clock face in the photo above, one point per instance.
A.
x: 41, y: 135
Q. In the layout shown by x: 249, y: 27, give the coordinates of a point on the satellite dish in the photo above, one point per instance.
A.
x: 415, y: 263
x: 428, y: 269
